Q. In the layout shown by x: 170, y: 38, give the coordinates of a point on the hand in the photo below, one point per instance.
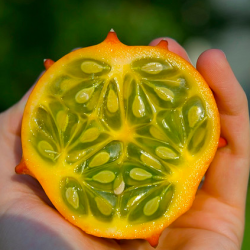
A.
x: 215, y: 221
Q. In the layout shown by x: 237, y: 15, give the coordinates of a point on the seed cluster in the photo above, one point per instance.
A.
x: 121, y: 138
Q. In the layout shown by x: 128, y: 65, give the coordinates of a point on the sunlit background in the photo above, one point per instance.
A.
x: 33, y: 30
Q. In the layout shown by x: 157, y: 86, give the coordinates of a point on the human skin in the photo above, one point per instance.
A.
x: 29, y: 221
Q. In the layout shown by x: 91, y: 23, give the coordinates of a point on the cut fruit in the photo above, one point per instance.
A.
x: 120, y: 137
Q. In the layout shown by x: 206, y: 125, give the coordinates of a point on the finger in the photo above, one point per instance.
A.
x: 230, y: 98
x: 10, y: 134
x: 227, y: 176
x: 172, y: 46
x: 12, y: 117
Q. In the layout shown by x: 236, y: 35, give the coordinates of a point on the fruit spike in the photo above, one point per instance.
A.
x: 21, y: 168
x: 154, y: 240
x: 222, y: 142
x: 112, y: 37
x: 48, y: 63
x: 163, y: 44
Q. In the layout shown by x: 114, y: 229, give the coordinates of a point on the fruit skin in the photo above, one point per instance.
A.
x: 111, y: 49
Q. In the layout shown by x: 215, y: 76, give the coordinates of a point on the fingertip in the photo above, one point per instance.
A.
x: 211, y: 55
x: 216, y: 70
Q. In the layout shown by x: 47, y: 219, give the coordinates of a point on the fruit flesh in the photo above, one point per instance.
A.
x: 119, y: 137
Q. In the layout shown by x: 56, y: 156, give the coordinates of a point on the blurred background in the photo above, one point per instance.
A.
x: 33, y: 30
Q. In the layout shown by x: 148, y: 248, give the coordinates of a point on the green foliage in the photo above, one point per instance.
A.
x: 33, y: 30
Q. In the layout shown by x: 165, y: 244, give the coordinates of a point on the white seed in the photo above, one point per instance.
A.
x: 112, y: 101
x: 194, y: 115
x: 164, y: 93
x: 165, y: 153
x: 62, y: 120
x: 139, y: 174
x: 47, y: 150
x: 152, y: 68
x: 119, y: 185
x: 104, y: 207
x: 90, y: 134
x: 150, y: 161
x: 138, y: 107
x: 156, y: 133
x: 120, y: 188
x: 72, y: 197
x: 68, y: 84
x: 105, y: 176
x: 151, y: 206
x: 133, y: 200
x: 99, y: 159
x: 84, y: 95
x: 90, y: 67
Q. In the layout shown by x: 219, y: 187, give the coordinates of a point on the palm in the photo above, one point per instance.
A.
x: 204, y: 226
x: 28, y: 207
x: 215, y: 221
